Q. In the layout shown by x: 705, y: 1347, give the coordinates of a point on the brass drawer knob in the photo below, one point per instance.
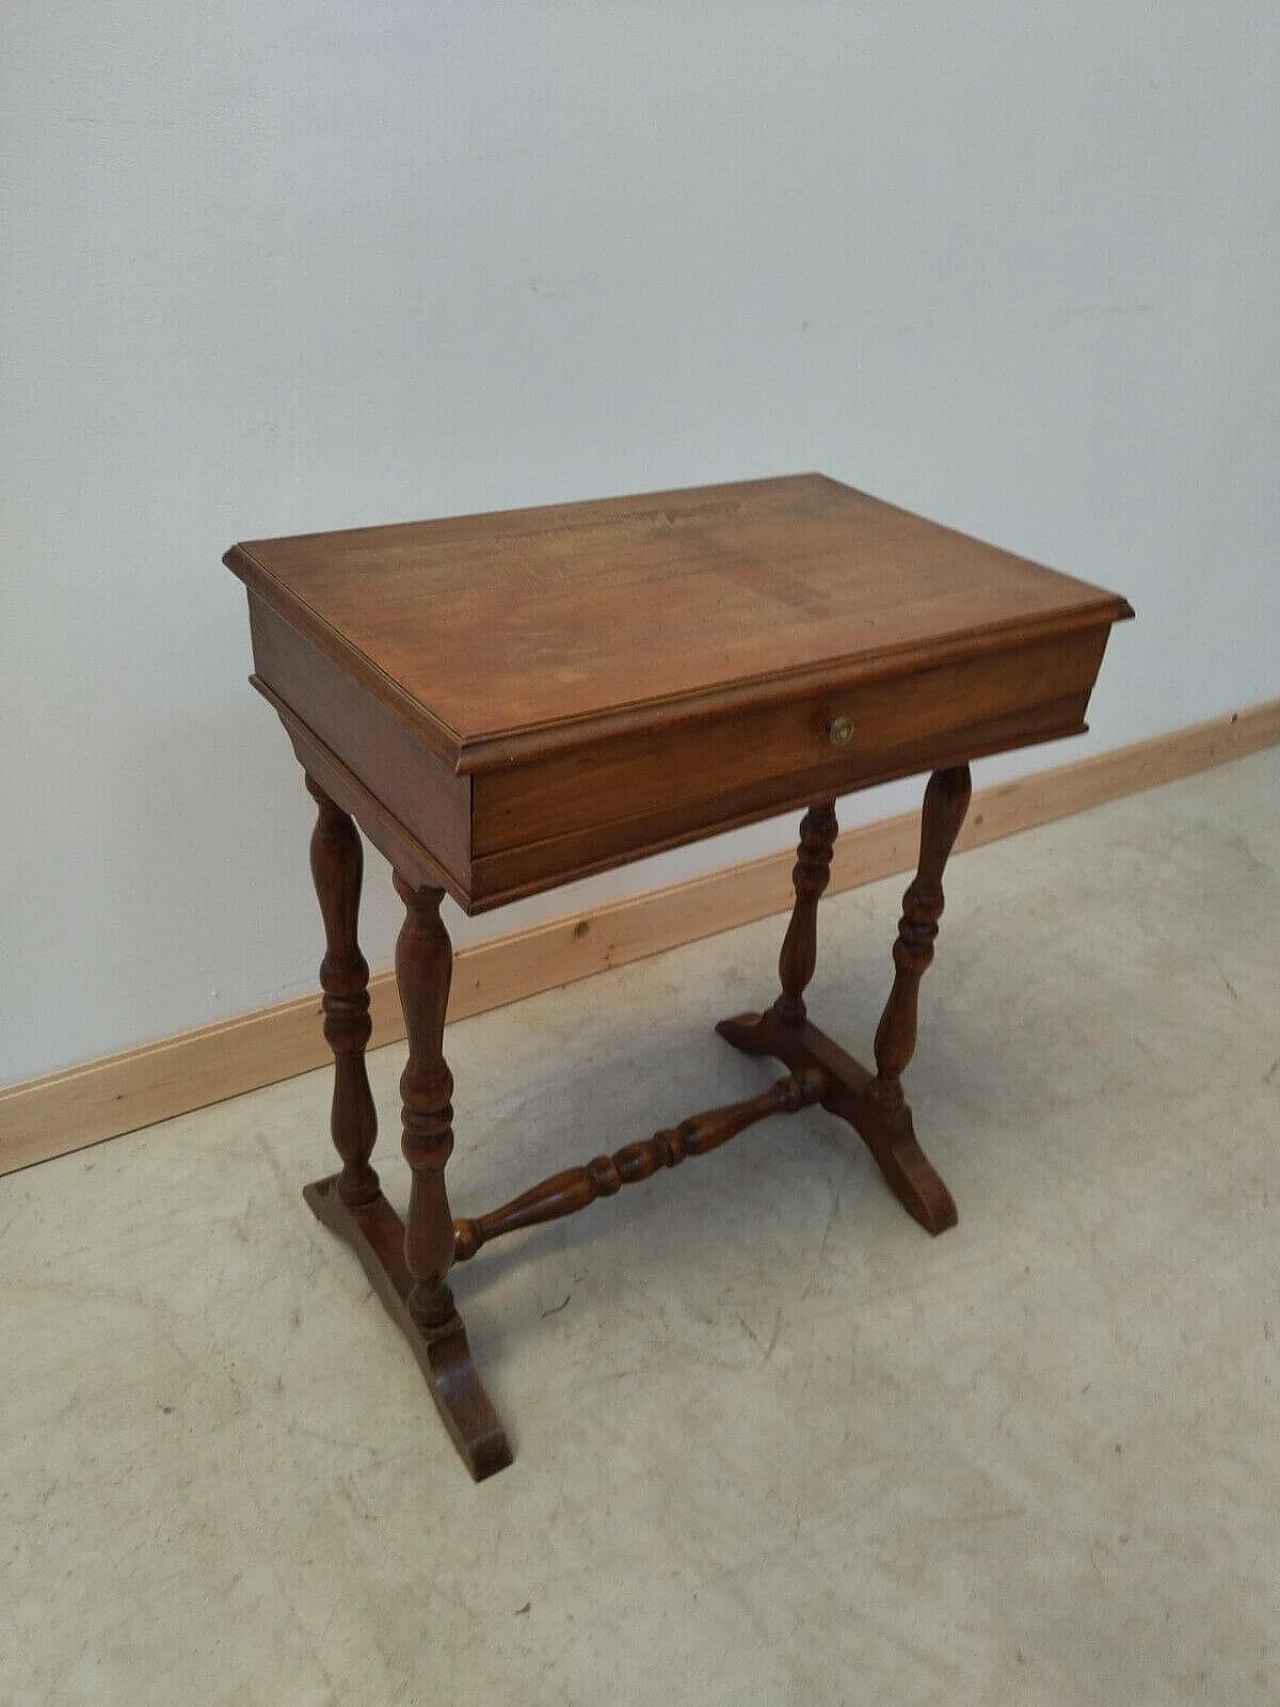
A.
x: 841, y: 731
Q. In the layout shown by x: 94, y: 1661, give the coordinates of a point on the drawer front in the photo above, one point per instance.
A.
x: 839, y: 739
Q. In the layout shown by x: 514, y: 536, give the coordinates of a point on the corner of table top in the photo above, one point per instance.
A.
x: 442, y: 740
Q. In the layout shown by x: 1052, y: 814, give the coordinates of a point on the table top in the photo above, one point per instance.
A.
x: 502, y: 628
x: 508, y: 702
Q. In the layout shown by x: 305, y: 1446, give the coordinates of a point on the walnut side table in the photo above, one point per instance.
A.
x: 504, y: 703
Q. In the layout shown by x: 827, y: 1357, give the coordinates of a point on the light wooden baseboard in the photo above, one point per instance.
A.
x: 47, y: 1117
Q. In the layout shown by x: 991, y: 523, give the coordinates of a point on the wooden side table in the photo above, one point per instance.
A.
x: 504, y: 703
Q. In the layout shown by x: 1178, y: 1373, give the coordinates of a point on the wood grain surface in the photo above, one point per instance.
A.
x: 484, y: 628
x: 506, y: 703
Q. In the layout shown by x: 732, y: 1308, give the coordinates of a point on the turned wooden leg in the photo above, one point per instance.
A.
x: 872, y: 1103
x: 818, y: 830
x: 337, y: 864
x: 946, y: 800
x: 406, y: 1264
x: 424, y: 969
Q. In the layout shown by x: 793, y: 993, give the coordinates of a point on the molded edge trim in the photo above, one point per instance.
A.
x: 496, y: 749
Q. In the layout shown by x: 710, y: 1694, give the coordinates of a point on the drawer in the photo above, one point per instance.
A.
x: 838, y: 739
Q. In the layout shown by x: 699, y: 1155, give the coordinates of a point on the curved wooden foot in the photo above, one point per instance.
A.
x: 911, y: 1176
x: 887, y: 1131
x: 376, y: 1234
x: 464, y: 1405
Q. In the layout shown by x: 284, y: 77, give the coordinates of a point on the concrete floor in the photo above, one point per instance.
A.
x: 774, y: 1445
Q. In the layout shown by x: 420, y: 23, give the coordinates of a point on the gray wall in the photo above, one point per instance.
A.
x: 269, y: 268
